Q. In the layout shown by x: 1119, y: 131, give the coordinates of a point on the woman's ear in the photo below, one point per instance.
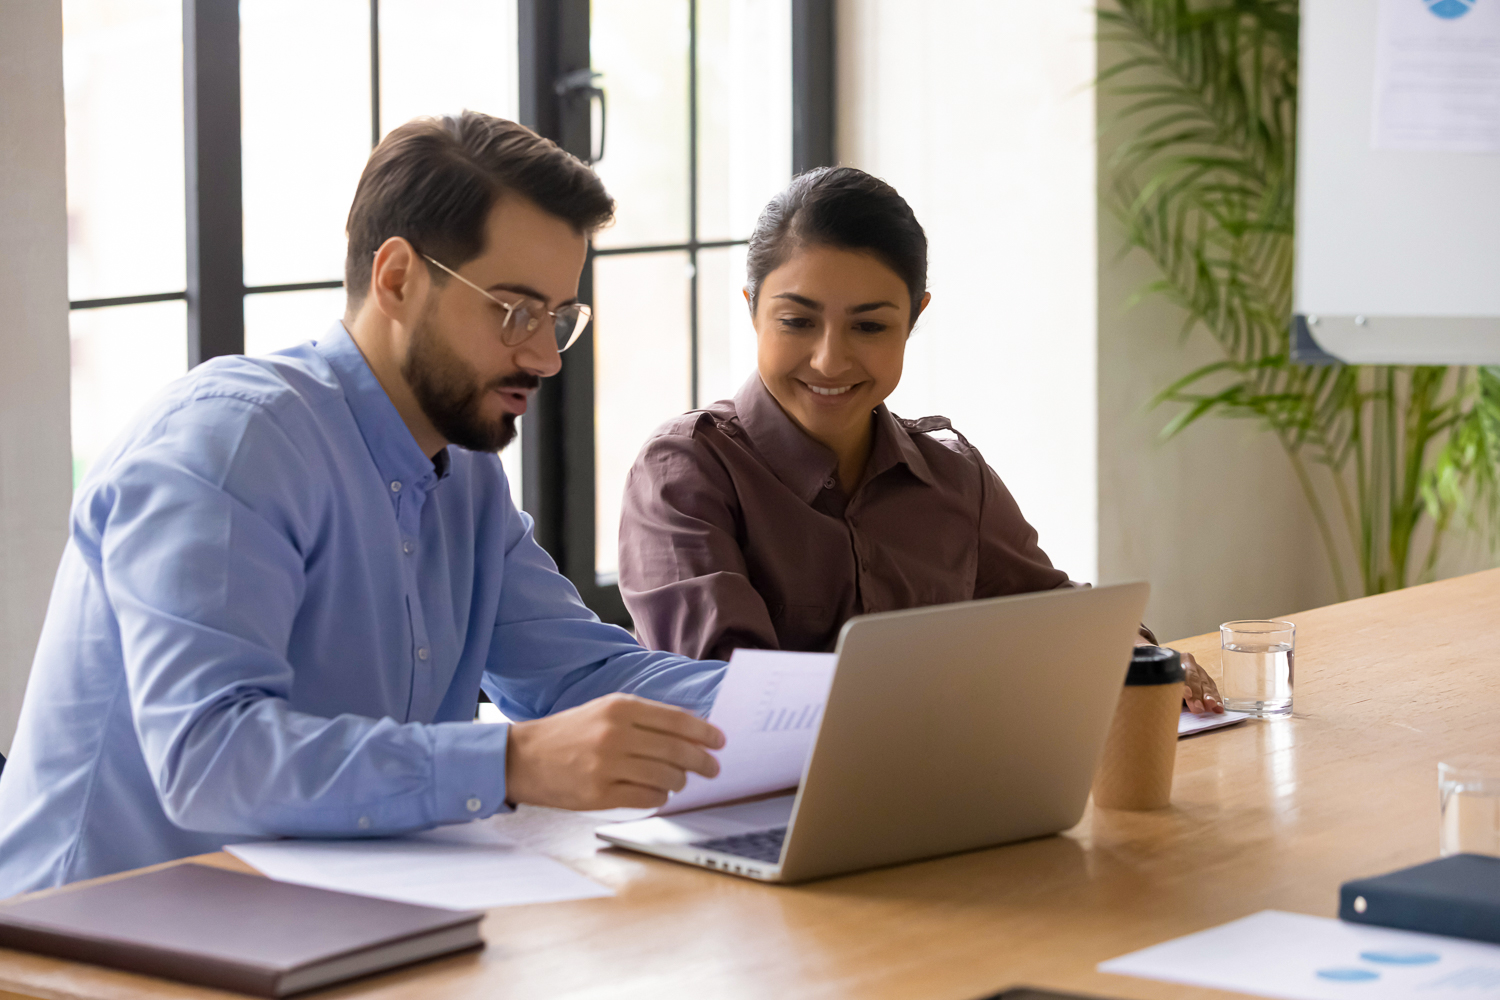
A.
x: 748, y: 300
x: 921, y: 308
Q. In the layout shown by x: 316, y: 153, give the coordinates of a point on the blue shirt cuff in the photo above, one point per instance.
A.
x: 468, y: 763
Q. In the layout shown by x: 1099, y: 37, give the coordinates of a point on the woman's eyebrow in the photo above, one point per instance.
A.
x: 871, y: 307
x: 801, y: 300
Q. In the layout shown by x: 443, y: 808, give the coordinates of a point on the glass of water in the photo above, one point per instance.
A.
x: 1469, y: 793
x: 1258, y: 658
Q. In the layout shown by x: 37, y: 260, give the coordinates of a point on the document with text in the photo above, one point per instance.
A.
x: 769, y: 707
x: 1299, y: 957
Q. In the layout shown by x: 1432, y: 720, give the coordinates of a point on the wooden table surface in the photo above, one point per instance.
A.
x: 1264, y: 815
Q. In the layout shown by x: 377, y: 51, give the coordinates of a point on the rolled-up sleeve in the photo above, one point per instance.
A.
x: 682, y: 572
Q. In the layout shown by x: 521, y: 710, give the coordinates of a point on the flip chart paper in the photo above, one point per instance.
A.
x: 1437, y: 76
x: 1297, y: 957
x: 769, y: 707
x: 468, y: 867
x: 1189, y: 723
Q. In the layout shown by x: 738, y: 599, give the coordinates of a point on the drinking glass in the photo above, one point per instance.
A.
x: 1258, y: 660
x: 1469, y: 797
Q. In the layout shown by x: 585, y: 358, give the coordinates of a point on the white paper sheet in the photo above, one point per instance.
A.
x: 769, y: 707
x: 1437, y: 76
x: 468, y: 867
x: 1297, y: 957
x: 1189, y: 723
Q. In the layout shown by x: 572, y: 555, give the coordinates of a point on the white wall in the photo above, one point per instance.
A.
x: 35, y: 451
x: 980, y: 113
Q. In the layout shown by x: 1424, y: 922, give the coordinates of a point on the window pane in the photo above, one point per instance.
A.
x: 641, y: 48
x: 726, y: 337
x: 281, y: 319
x: 122, y: 73
x: 305, y: 94
x: 641, y: 374
x: 744, y: 112
x: 510, y: 459
x: 121, y: 358
x: 443, y: 56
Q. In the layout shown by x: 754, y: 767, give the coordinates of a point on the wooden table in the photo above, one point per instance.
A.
x: 1265, y: 815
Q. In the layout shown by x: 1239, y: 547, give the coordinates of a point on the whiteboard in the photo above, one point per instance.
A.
x: 1398, y: 251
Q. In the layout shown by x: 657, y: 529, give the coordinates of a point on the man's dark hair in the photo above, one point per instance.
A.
x: 845, y: 208
x: 433, y: 182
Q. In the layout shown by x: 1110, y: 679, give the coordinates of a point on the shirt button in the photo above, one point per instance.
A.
x: 407, y: 546
x: 829, y: 483
x: 364, y: 822
x: 421, y: 652
x: 473, y: 805
x: 395, y: 486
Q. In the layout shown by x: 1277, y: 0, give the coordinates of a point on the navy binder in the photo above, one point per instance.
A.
x: 1457, y: 896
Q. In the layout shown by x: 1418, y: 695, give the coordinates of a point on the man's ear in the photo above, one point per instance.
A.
x: 399, y: 281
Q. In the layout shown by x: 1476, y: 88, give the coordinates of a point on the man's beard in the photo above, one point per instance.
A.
x: 449, y: 393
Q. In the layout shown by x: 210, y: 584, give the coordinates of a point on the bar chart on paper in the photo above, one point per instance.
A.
x: 779, y: 714
x: 769, y: 707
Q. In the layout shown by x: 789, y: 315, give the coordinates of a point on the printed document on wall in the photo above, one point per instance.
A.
x: 1437, y: 76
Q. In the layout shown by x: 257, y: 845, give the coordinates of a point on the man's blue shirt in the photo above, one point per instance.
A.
x: 273, y: 618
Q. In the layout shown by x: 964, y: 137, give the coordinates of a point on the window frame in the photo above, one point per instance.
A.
x: 559, y: 452
x: 557, y: 441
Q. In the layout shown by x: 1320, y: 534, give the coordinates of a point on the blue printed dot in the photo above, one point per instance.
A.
x: 1449, y: 9
x: 1348, y: 975
x: 1400, y: 957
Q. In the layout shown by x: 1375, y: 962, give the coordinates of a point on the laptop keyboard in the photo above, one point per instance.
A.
x: 762, y: 845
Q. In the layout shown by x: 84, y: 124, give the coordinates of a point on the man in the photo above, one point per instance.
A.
x: 287, y: 581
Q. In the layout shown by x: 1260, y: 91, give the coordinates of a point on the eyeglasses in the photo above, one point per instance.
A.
x: 523, y: 318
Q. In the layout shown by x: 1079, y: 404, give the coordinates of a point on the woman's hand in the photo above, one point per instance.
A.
x: 1198, y: 689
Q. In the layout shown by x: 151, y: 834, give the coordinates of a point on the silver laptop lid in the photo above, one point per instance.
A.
x: 961, y: 726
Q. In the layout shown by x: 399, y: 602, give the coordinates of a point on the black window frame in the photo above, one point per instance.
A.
x: 558, y: 481
x: 558, y: 444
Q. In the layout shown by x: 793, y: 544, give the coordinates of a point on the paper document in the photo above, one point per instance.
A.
x: 1189, y: 723
x: 467, y: 867
x: 769, y: 707
x: 1297, y: 957
x: 1437, y: 76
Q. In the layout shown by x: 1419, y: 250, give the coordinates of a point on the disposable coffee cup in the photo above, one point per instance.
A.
x: 1141, y: 749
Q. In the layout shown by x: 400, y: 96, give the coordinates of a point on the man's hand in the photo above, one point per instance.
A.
x: 1198, y: 689
x: 614, y: 751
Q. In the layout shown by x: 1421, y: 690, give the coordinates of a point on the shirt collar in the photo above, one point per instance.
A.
x: 894, y: 446
x: 805, y: 466
x: 398, y: 457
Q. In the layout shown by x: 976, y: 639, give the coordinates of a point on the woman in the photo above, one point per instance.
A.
x: 768, y: 520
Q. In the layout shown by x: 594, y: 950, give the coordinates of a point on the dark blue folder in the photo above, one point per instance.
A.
x: 1458, y: 896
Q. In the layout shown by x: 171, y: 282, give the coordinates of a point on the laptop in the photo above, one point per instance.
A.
x: 946, y: 729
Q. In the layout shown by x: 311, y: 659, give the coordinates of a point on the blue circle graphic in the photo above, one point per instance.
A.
x: 1348, y: 975
x: 1450, y: 9
x: 1400, y: 957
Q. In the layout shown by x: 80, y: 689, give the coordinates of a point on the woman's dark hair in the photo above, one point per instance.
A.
x: 433, y: 181
x: 845, y: 208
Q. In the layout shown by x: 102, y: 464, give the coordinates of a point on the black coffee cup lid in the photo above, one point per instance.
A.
x: 1155, y: 665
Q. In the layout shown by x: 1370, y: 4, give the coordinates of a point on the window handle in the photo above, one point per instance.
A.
x: 581, y: 82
